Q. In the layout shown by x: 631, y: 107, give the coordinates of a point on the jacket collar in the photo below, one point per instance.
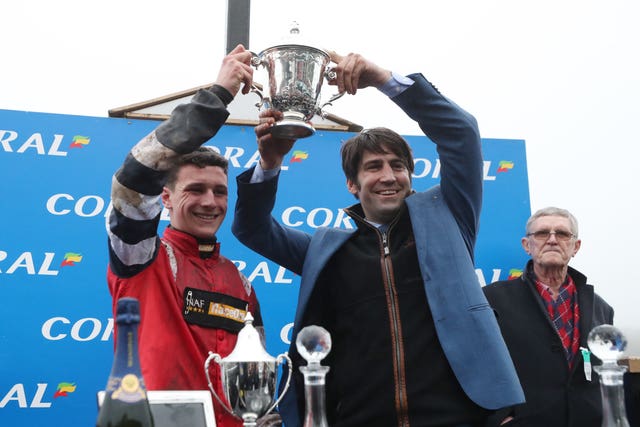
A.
x: 579, y: 279
x: 202, y: 248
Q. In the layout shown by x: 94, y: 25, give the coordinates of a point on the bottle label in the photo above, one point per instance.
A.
x: 128, y: 389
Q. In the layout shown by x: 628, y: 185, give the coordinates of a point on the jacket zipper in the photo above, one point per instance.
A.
x: 401, y: 397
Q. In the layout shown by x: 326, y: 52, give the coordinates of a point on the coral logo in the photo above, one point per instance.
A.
x: 514, y: 273
x: 21, y: 396
x: 34, y: 264
x: 64, y: 389
x: 70, y: 259
x: 79, y: 141
x: 85, y: 329
x: 505, y: 166
x: 38, y: 143
x: 266, y: 271
x: 299, y: 156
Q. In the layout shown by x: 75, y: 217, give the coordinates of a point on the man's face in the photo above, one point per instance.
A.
x: 383, y: 183
x: 552, y: 252
x: 198, y: 203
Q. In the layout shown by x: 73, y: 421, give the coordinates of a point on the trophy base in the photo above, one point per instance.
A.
x: 292, y: 129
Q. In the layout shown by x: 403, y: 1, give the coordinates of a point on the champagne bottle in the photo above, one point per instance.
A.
x: 125, y: 402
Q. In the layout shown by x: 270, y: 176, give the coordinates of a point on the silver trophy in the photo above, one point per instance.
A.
x: 295, y: 73
x: 248, y: 376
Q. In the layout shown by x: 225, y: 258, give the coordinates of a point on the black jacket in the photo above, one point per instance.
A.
x: 555, y: 395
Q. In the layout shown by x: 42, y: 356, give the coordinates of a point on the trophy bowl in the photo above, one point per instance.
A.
x: 249, y: 386
x: 249, y: 376
x: 296, y: 73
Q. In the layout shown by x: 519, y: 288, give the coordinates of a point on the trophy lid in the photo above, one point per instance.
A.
x: 294, y: 39
x: 314, y: 344
x: 608, y: 343
x: 249, y: 346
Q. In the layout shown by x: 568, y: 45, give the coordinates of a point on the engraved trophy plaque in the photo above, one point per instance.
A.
x: 248, y: 376
x: 296, y: 73
x: 608, y: 344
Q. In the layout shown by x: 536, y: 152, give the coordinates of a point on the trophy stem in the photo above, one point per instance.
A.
x: 314, y: 394
x: 612, y: 391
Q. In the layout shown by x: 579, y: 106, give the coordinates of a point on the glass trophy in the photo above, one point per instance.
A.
x: 608, y: 344
x: 313, y: 344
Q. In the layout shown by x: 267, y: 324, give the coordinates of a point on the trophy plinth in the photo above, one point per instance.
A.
x: 608, y: 344
x: 295, y: 74
x: 292, y: 126
x: 249, y: 376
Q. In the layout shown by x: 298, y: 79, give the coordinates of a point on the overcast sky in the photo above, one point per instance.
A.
x: 561, y: 75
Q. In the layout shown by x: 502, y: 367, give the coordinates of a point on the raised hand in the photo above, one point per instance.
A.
x: 272, y: 150
x: 355, y: 72
x: 236, y: 71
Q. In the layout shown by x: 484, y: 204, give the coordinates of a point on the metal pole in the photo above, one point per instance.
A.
x: 238, y: 23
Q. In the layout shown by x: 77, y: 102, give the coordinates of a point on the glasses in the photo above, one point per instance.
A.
x: 543, y: 235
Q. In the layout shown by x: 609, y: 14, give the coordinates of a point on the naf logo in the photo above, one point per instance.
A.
x: 27, y: 396
x: 44, y: 145
x: 43, y: 264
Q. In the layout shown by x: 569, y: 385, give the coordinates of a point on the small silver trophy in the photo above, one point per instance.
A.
x: 248, y: 376
x: 608, y: 344
x: 314, y: 343
x: 296, y: 73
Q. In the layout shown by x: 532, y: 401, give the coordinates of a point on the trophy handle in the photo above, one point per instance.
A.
x: 255, y: 59
x: 216, y: 357
x: 257, y: 87
x: 286, y: 385
x: 329, y: 74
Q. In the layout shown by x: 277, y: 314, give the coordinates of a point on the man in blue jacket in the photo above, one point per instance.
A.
x: 414, y: 339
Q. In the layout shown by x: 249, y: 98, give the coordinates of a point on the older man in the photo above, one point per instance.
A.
x: 545, y: 316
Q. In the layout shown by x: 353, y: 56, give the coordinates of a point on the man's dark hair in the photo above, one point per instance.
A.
x: 376, y: 140
x: 202, y: 157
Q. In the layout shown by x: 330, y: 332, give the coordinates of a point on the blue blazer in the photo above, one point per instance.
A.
x: 445, y: 223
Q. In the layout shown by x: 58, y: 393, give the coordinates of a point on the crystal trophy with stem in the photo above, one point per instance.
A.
x: 608, y: 344
x: 313, y: 344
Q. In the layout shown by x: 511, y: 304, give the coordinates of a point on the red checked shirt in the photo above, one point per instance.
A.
x: 564, y: 314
